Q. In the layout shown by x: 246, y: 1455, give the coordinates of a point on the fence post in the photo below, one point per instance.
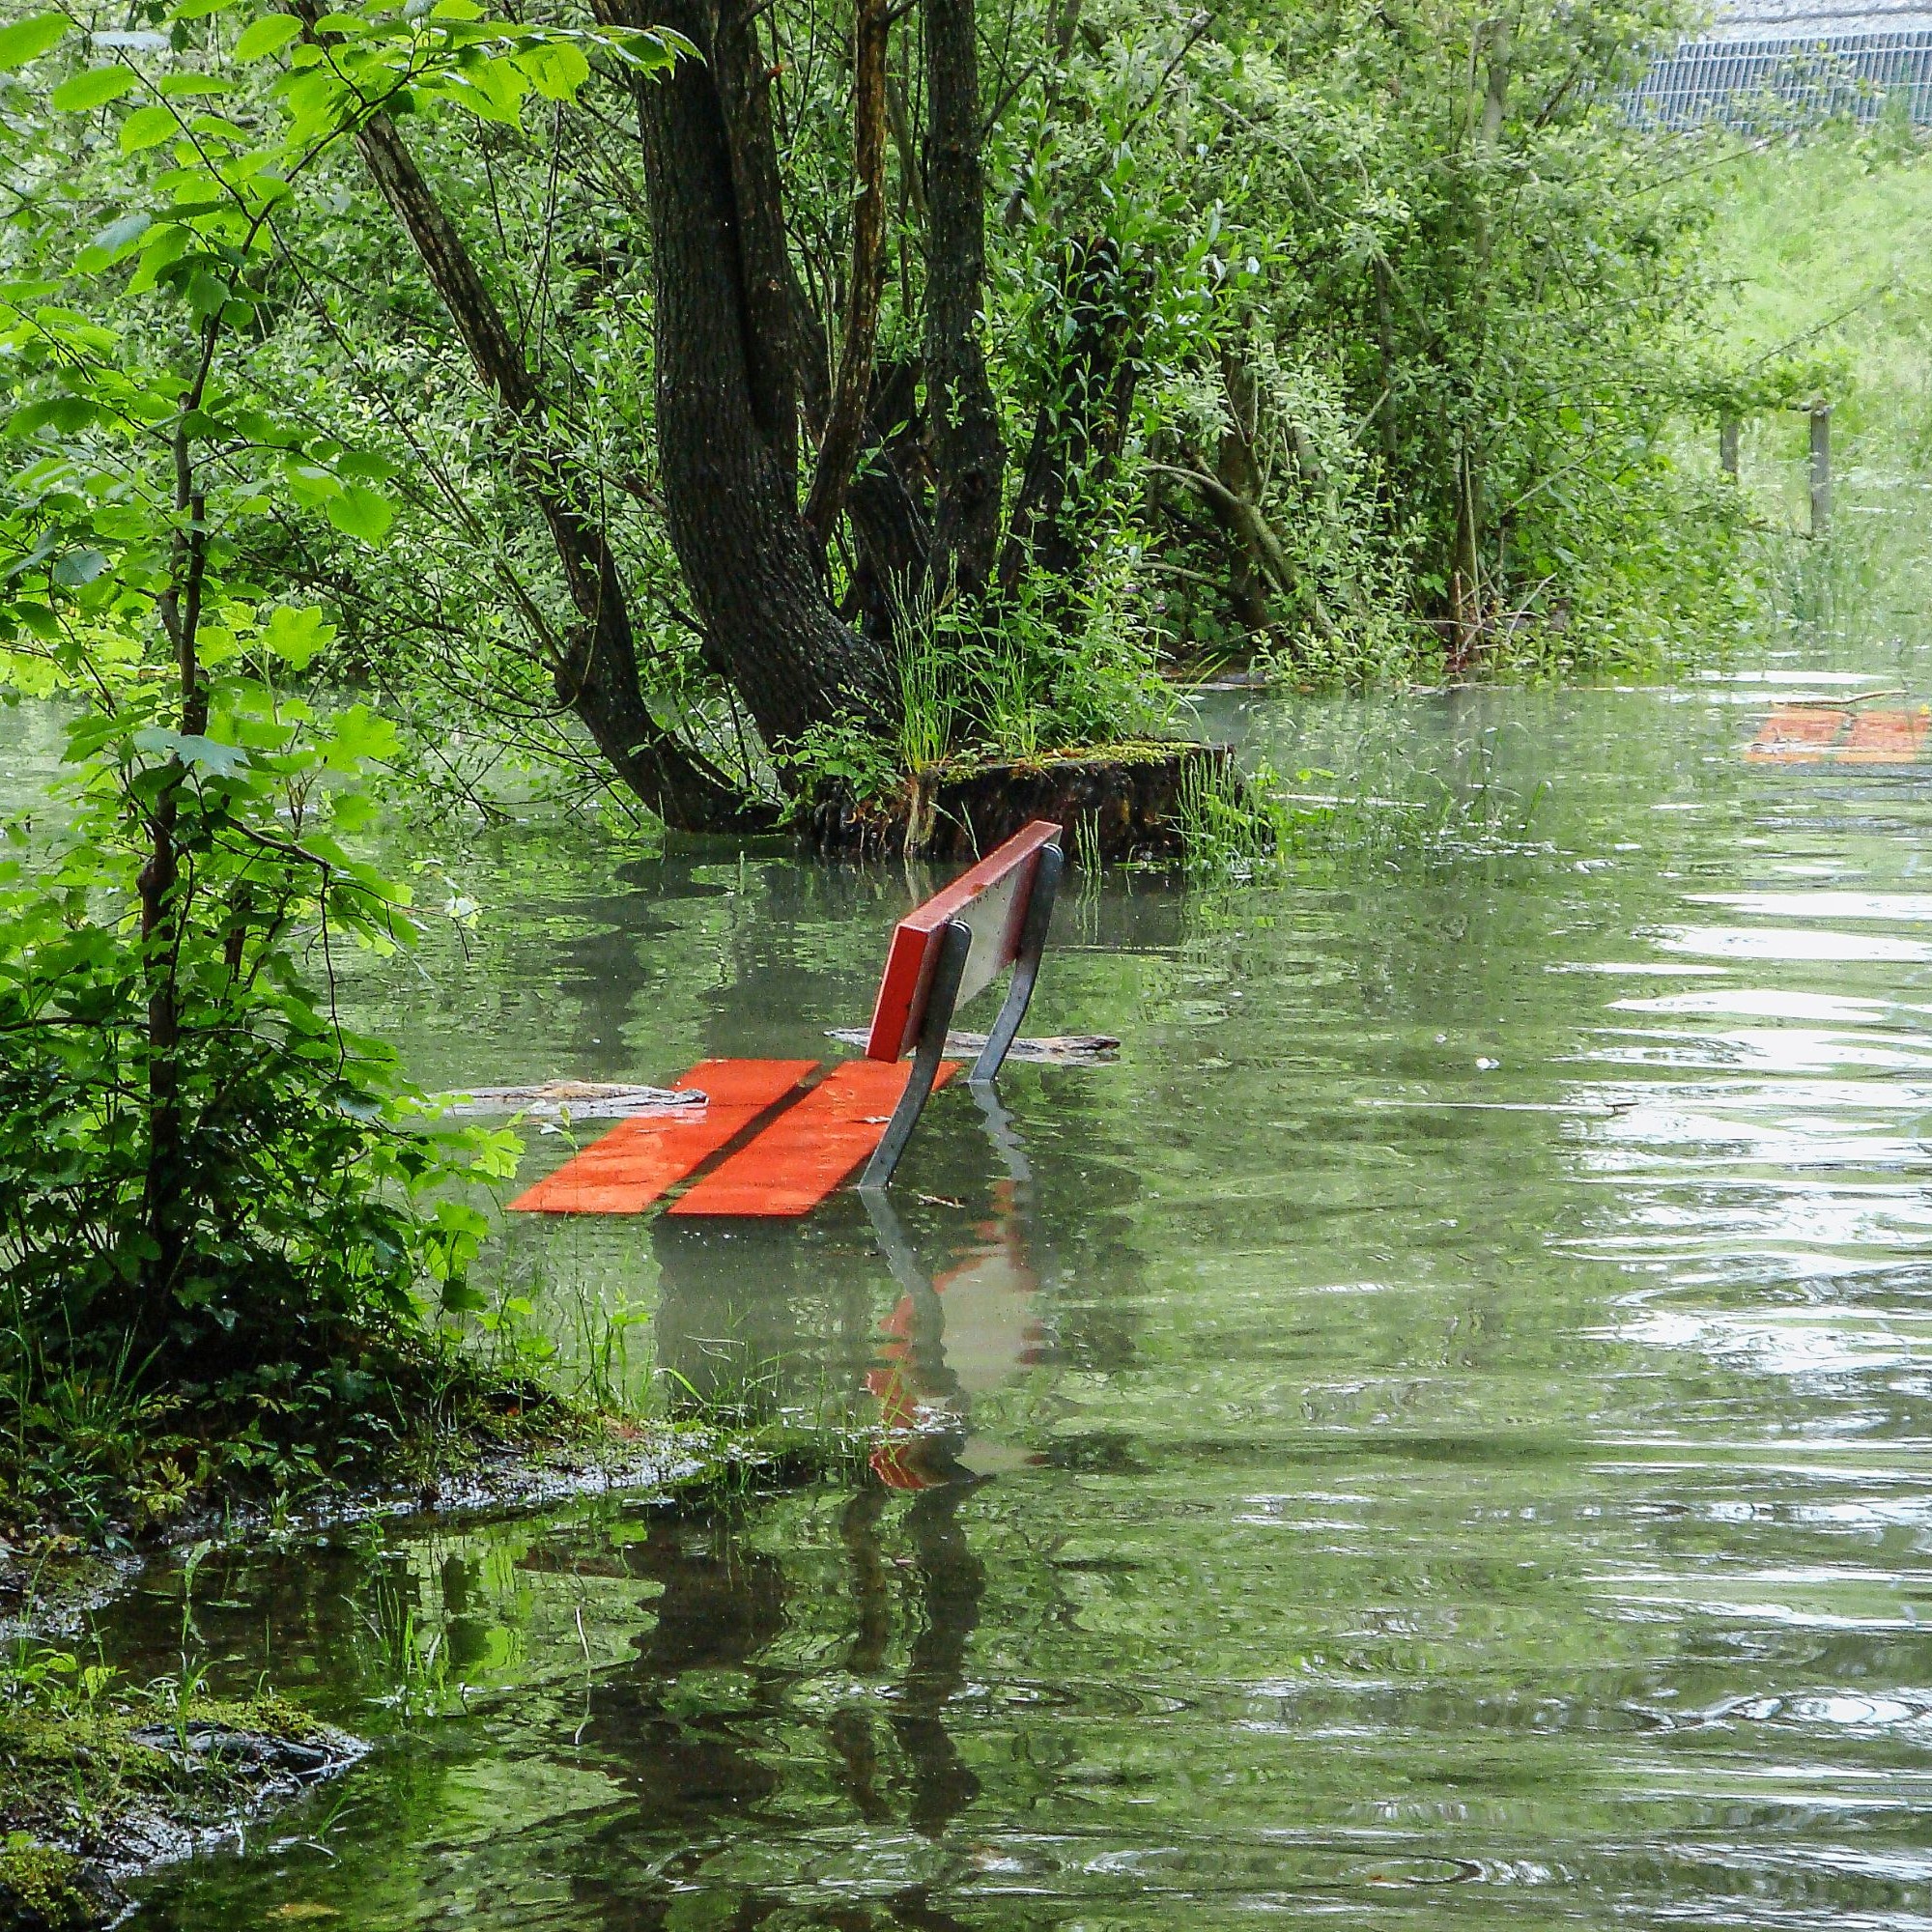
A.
x: 1820, y: 468
x: 1727, y: 447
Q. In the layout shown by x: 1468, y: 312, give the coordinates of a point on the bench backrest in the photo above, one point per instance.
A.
x: 991, y: 902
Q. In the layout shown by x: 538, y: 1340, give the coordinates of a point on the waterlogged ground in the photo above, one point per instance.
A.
x: 1440, y: 1434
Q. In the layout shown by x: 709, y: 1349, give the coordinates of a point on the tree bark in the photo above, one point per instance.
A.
x: 596, y: 667
x: 968, y: 452
x: 891, y: 536
x: 167, y: 1207
x: 845, y: 420
x: 1239, y: 474
x: 725, y: 380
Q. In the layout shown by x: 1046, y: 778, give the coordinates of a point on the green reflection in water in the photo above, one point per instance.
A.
x: 1439, y: 1434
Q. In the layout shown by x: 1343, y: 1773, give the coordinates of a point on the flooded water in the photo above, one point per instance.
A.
x: 1441, y: 1434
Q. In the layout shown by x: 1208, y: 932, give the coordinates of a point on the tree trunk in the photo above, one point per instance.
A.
x: 892, y: 537
x: 968, y: 452
x: 167, y: 1206
x: 1239, y: 474
x: 595, y: 666
x: 725, y: 375
x: 846, y: 419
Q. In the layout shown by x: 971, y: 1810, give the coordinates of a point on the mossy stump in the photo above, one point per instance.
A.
x: 1111, y: 801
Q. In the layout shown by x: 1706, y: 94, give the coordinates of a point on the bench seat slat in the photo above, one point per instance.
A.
x: 809, y: 1150
x: 638, y: 1161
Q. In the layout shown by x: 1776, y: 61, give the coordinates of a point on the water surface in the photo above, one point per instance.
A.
x: 1437, y: 1435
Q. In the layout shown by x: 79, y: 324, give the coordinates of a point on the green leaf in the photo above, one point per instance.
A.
x: 557, y: 70
x: 78, y: 567
x: 67, y: 413
x: 111, y: 244
x: 209, y: 755
x: 146, y: 128
x: 95, y: 88
x: 267, y: 36
x: 28, y: 39
x: 296, y: 635
x: 309, y: 483
x: 168, y: 244
x: 359, y: 734
x: 361, y: 512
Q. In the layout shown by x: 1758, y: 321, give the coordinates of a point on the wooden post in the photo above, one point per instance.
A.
x: 1820, y: 468
x: 1727, y: 447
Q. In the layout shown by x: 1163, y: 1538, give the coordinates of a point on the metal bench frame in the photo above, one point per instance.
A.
x: 943, y: 996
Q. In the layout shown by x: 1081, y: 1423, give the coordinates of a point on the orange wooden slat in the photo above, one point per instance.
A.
x: 1884, y: 738
x: 639, y: 1159
x: 810, y: 1148
x: 1797, y: 734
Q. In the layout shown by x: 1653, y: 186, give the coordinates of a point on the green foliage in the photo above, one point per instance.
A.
x: 217, y: 1212
x: 1821, y: 247
x: 1234, y: 821
x: 1465, y: 309
x: 1390, y: 301
x: 1050, y: 668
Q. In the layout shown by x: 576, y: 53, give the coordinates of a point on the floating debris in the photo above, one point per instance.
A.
x: 1065, y: 1049
x: 579, y: 1100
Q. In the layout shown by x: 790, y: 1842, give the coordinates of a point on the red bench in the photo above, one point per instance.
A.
x: 943, y: 954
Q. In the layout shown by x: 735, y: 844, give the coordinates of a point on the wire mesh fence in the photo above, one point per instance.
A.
x: 1782, y: 80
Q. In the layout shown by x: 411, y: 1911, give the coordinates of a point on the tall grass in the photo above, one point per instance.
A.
x: 1825, y: 242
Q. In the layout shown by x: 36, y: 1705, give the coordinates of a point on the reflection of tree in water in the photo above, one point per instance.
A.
x: 950, y: 1580
x: 700, y: 1771
x: 722, y: 1606
x: 734, y: 1329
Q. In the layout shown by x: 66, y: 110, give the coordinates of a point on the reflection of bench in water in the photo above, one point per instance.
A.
x: 1814, y: 734
x: 945, y: 953
x: 957, y: 1334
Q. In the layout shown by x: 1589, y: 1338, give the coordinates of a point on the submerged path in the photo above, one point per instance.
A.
x: 1439, y: 1433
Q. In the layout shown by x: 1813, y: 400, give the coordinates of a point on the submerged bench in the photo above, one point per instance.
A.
x: 951, y: 949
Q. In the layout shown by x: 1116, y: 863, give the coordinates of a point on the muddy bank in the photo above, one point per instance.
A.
x: 97, y: 1784
x: 100, y: 1780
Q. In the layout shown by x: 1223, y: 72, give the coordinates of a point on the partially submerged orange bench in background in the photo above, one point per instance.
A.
x: 947, y: 951
x: 1815, y: 734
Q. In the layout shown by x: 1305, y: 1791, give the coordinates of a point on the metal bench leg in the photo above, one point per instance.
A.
x: 930, y: 1051
x: 1026, y: 966
x: 927, y: 1339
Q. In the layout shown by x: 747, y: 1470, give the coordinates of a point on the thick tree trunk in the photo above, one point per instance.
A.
x: 725, y: 398
x: 968, y: 452
x: 596, y: 667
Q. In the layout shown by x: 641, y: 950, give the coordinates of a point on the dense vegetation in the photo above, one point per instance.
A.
x: 929, y: 374
x: 708, y: 404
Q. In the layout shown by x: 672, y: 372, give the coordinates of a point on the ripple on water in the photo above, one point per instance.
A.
x: 1440, y: 1438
